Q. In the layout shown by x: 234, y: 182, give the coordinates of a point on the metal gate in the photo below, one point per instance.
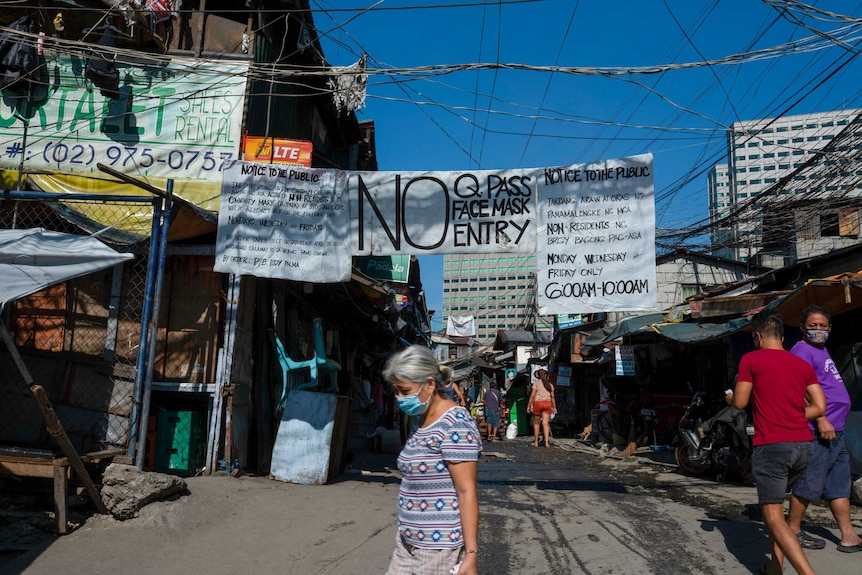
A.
x: 86, y: 341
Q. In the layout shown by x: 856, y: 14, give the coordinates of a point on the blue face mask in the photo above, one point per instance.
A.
x: 816, y: 335
x: 411, y: 405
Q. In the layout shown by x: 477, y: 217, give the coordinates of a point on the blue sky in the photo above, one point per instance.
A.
x: 558, y: 114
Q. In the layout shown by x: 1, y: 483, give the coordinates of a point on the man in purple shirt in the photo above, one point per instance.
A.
x: 828, y: 474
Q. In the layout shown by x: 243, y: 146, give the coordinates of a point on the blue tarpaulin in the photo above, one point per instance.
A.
x: 838, y: 294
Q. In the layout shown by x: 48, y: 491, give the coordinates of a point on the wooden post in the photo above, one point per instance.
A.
x: 223, y: 374
x: 199, y: 41
x: 60, y: 492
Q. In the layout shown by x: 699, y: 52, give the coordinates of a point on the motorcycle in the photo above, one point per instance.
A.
x: 720, y: 444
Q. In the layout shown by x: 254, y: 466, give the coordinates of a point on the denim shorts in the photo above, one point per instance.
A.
x: 492, y: 417
x: 777, y: 466
x: 828, y: 473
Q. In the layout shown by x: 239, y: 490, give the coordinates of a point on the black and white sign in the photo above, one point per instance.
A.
x: 591, y: 226
x: 596, y: 237
x: 443, y: 212
x: 285, y: 222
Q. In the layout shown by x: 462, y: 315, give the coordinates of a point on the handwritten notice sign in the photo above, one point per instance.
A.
x: 283, y: 222
x: 443, y: 212
x: 596, y: 237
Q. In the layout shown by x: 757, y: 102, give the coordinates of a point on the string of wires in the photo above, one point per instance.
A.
x: 846, y: 33
x: 774, y: 212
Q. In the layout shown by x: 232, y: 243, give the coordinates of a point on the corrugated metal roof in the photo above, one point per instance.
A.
x: 523, y: 336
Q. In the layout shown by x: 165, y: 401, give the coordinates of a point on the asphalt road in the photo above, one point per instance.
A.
x: 557, y: 510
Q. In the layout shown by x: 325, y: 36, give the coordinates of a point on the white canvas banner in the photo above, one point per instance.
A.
x: 35, y: 258
x: 443, y: 212
x: 591, y: 226
x: 596, y: 237
x: 283, y: 222
x: 461, y: 326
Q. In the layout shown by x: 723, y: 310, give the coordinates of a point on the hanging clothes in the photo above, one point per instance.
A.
x: 20, y: 61
x: 101, y: 68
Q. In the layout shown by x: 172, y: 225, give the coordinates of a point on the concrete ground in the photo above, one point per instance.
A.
x: 561, y: 510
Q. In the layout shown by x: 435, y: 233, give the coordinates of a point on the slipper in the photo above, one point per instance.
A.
x: 850, y: 548
x: 809, y: 542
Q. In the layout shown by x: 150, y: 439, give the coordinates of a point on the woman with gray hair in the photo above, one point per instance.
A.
x: 438, y: 504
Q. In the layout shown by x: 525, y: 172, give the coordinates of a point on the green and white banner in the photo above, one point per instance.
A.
x: 182, y: 120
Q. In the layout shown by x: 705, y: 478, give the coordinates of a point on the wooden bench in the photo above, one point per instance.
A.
x: 42, y: 463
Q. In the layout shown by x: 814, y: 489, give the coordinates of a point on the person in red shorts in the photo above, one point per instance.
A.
x: 542, y: 404
x: 785, y: 394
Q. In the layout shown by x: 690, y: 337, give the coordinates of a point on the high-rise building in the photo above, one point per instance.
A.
x: 804, y: 171
x: 497, y: 290
x: 720, y: 205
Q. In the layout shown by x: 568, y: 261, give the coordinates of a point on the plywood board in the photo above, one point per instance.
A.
x: 88, y: 386
x: 187, y: 346
x: 190, y: 356
x: 304, y: 439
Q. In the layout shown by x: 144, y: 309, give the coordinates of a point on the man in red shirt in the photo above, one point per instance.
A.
x: 785, y: 394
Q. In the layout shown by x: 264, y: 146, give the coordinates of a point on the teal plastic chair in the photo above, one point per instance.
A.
x: 287, y: 365
x: 327, y: 368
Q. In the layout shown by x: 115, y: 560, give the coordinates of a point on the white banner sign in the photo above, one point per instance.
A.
x: 443, y: 212
x: 594, y: 225
x: 596, y: 237
x: 284, y: 222
x: 182, y: 120
x: 461, y: 326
